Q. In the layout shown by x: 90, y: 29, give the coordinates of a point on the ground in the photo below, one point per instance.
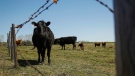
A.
x: 92, y: 61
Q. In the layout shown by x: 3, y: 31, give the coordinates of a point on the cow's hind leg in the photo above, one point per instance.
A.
x: 61, y: 47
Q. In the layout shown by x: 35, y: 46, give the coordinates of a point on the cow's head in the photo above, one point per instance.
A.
x: 56, y: 41
x: 41, y: 27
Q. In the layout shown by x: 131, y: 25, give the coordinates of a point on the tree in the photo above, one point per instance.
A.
x: 26, y: 39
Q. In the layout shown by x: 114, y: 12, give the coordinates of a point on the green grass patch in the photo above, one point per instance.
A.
x: 92, y: 61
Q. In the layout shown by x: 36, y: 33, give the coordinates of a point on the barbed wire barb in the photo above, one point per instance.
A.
x: 105, y: 5
x: 40, y: 8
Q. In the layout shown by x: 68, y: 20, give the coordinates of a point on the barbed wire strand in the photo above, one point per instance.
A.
x: 30, y: 64
x: 105, y: 5
x: 31, y: 18
x: 43, y: 10
x: 40, y: 8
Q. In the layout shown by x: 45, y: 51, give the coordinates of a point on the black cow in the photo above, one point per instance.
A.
x: 56, y: 41
x: 97, y: 44
x: 43, y: 39
x: 67, y: 40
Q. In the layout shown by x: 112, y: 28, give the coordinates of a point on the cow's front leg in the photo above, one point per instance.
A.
x: 43, y: 54
x: 38, y: 50
x: 48, y: 55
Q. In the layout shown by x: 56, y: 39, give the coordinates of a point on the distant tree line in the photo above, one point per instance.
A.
x: 26, y: 40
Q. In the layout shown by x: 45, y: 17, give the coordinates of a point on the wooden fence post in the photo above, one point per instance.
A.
x: 8, y: 42
x: 124, y: 15
x: 11, y: 44
x: 14, y: 46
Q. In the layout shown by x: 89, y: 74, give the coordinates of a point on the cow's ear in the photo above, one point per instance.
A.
x: 34, y: 23
x: 48, y: 23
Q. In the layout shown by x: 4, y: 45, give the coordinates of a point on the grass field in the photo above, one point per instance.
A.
x: 92, y: 61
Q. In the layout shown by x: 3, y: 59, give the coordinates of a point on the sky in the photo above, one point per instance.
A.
x: 88, y: 20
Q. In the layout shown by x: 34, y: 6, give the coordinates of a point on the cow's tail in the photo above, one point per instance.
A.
x: 33, y: 48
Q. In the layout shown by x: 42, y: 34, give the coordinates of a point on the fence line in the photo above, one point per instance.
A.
x: 8, y: 42
x: 12, y: 49
x: 12, y: 46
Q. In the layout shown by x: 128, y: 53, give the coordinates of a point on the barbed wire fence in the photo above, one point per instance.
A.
x: 11, y: 41
x: 12, y: 49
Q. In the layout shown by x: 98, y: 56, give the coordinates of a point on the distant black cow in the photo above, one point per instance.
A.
x: 97, y: 44
x: 67, y: 40
x: 43, y: 39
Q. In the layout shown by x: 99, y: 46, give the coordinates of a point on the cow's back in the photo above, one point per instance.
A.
x: 68, y: 40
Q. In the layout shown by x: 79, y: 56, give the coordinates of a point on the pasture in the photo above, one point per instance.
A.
x: 93, y: 61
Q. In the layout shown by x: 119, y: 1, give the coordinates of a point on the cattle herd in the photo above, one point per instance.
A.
x: 98, y: 44
x: 43, y: 38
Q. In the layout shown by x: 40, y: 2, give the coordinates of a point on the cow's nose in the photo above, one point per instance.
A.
x: 41, y: 34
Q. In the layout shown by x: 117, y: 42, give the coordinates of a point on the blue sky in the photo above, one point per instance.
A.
x: 86, y: 19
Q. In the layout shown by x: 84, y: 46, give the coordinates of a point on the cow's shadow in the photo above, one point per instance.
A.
x: 23, y: 63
